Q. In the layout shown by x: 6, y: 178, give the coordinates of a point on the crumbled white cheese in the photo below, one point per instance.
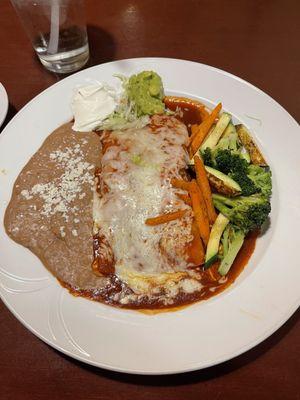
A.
x: 58, y: 194
x: 25, y: 193
x: 74, y: 232
x: 62, y: 231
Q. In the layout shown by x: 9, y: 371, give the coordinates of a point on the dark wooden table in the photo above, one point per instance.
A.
x: 257, y: 40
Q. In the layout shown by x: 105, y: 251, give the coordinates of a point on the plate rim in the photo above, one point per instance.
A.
x: 4, y: 95
x: 224, y: 358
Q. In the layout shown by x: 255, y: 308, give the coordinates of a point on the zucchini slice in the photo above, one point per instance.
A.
x: 233, y: 249
x: 214, y: 136
x: 191, y: 163
x: 214, y: 240
x: 245, y: 137
x: 244, y: 154
x: 222, y: 183
x: 230, y: 130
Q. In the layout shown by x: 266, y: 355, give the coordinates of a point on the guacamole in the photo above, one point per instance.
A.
x: 145, y: 90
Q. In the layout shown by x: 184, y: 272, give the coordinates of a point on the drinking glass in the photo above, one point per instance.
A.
x: 57, y: 31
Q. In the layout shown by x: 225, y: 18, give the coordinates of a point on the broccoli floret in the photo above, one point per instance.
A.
x: 207, y: 157
x: 262, y: 178
x: 227, y: 161
x: 251, y: 178
x: 246, y: 213
x: 237, y: 168
x: 247, y: 185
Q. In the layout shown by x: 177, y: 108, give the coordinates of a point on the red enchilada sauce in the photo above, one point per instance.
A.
x: 211, y: 286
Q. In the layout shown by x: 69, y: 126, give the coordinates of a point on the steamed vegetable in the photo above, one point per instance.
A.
x: 162, y: 219
x: 245, y: 137
x: 246, y: 213
x: 207, y: 157
x: 204, y: 128
x: 199, y: 210
x: 232, y: 242
x: 229, y: 131
x: 213, y: 138
x: 185, y: 197
x: 261, y: 178
x: 222, y: 183
x: 250, y: 178
x: 231, y: 160
x: 203, y: 184
x: 237, y: 171
x: 196, y: 249
x: 214, y: 240
x: 228, y: 161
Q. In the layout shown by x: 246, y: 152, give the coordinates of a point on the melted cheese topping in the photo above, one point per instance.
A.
x: 137, y: 168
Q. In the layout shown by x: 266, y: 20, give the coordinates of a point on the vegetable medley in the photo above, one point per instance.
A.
x: 230, y: 195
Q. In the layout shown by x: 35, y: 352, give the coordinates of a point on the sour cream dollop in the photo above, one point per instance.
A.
x: 91, y: 105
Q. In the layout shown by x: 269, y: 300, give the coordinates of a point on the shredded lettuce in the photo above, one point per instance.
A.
x: 124, y: 116
x: 118, y: 121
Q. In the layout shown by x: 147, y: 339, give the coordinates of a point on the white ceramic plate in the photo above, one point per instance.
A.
x: 206, y: 333
x: 3, y: 104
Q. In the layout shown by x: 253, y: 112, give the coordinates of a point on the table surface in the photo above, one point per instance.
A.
x: 256, y: 40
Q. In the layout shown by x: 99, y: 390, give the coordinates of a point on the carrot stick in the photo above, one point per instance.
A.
x: 200, y: 135
x: 180, y: 184
x: 203, y: 205
x: 203, y: 113
x: 194, y: 130
x: 203, y: 130
x: 185, y: 197
x: 196, y: 251
x: 203, y: 184
x: 195, y: 127
x: 162, y: 219
x: 199, y: 212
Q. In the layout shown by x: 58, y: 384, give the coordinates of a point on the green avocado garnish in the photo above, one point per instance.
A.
x: 145, y: 91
